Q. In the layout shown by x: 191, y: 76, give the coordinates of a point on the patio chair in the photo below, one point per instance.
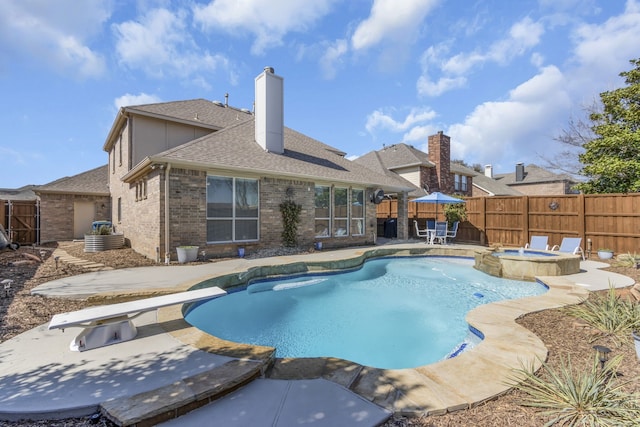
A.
x: 570, y: 245
x: 451, y: 234
x: 538, y: 243
x: 441, y: 232
x: 421, y: 232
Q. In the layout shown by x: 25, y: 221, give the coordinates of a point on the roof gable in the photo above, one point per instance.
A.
x: 93, y: 182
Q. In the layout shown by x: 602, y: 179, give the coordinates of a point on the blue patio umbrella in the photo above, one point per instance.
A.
x: 438, y: 198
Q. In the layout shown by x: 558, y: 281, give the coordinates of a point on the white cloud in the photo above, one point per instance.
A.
x: 46, y: 32
x: 332, y: 57
x: 391, y: 20
x: 522, y: 36
x: 523, y: 123
x: 610, y: 40
x: 159, y: 44
x: 380, y: 120
x: 141, y: 99
x: 268, y: 22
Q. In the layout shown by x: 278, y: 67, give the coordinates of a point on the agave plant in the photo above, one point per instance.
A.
x: 570, y: 397
x: 611, y: 315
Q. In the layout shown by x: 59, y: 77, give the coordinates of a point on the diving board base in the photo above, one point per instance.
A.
x: 104, y: 334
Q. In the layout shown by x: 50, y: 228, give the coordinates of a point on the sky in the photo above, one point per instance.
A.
x: 502, y: 78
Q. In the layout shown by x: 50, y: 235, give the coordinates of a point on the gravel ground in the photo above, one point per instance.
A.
x: 30, y: 266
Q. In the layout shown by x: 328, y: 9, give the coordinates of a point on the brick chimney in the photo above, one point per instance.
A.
x: 440, y: 155
x: 269, y: 114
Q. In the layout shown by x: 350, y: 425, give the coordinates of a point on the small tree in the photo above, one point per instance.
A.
x: 612, y: 159
x: 455, y: 212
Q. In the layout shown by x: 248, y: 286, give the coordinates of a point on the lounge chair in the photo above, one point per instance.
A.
x: 451, y: 234
x: 570, y: 245
x: 538, y: 243
x: 441, y: 232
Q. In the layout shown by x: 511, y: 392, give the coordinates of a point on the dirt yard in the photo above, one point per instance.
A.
x: 30, y: 266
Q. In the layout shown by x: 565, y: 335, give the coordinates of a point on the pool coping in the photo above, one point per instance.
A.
x: 473, y: 377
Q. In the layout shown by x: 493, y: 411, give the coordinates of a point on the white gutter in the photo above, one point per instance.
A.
x: 167, y: 254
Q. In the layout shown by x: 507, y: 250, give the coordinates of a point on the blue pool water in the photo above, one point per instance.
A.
x: 392, y: 313
x: 525, y: 252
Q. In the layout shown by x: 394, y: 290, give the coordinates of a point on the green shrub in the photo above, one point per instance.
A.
x: 103, y: 230
x: 613, y: 316
x: 573, y: 397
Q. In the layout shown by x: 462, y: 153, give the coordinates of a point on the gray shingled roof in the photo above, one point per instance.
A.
x: 22, y: 193
x: 533, y: 174
x: 92, y: 182
x: 234, y: 148
x: 395, y: 156
x: 400, y: 155
x: 197, y: 111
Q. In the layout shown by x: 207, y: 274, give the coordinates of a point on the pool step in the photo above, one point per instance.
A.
x: 169, y: 402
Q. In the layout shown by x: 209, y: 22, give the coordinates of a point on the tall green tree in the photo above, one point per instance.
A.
x: 611, y: 160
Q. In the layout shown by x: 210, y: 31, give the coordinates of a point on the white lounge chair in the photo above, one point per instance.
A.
x: 570, y: 245
x: 538, y: 243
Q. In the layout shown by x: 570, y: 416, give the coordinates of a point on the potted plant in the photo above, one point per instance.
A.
x: 102, y: 238
x: 187, y: 253
x: 604, y: 253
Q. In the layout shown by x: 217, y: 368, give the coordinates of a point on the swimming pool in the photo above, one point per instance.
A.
x: 392, y: 313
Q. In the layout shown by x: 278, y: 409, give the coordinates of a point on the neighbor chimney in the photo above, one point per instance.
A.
x: 488, y: 171
x: 440, y: 155
x: 269, y: 115
x: 519, y: 172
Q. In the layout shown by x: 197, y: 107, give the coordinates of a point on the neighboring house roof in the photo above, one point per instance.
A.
x: 22, y: 193
x: 234, y: 149
x: 394, y: 157
x: 93, y: 182
x: 402, y: 155
x: 485, y: 183
x: 533, y: 174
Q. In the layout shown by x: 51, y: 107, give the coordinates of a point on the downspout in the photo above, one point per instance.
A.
x: 167, y: 240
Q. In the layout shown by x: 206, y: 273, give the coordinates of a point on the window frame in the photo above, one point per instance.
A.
x: 234, y: 219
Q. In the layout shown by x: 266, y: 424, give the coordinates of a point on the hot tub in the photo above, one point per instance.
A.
x: 525, y: 264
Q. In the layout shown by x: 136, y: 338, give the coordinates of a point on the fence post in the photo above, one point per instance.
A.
x: 525, y: 220
x: 582, y: 219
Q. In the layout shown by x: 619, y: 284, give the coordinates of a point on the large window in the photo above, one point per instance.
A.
x: 232, y: 209
x: 339, y: 212
x: 323, y: 211
x: 357, y: 212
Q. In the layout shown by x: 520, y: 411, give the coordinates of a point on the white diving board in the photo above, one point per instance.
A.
x: 110, y: 324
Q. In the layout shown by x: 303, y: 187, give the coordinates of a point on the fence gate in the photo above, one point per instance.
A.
x: 21, y: 219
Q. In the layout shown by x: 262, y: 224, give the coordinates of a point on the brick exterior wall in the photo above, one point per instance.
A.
x: 56, y: 214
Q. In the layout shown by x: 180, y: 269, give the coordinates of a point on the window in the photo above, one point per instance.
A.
x: 323, y: 211
x: 456, y: 186
x: 120, y: 150
x: 357, y: 212
x: 232, y: 209
x: 340, y: 212
x: 119, y: 209
x: 464, y: 183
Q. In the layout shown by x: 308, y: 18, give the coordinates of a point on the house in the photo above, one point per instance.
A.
x: 433, y: 171
x: 207, y: 174
x: 534, y: 180
x: 69, y: 205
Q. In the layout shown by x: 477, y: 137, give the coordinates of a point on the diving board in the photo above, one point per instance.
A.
x: 111, y: 324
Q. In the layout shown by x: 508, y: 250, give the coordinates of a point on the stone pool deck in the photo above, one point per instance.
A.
x: 173, y: 368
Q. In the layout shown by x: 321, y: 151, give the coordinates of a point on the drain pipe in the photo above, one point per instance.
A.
x: 167, y: 240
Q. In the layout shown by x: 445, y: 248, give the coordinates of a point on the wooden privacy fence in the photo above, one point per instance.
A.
x: 21, y: 219
x: 601, y: 220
